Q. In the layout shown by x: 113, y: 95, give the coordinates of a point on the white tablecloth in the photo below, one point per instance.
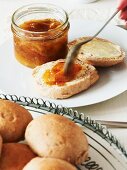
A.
x: 113, y: 109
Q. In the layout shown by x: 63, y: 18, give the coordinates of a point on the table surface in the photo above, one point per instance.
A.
x: 113, y: 109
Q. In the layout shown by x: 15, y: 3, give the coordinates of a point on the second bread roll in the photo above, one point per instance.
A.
x: 56, y: 136
x: 99, y: 52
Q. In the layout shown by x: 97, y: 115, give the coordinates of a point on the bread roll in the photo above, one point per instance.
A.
x: 1, y: 141
x: 48, y: 164
x: 86, y: 77
x: 55, y: 136
x: 99, y: 52
x: 13, y: 121
x: 15, y: 156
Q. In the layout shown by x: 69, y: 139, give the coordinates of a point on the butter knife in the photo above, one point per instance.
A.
x: 112, y: 124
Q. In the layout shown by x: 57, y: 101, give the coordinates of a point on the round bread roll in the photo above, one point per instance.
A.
x: 13, y: 121
x: 15, y: 156
x: 48, y: 164
x: 99, y: 52
x: 56, y: 136
x: 1, y: 141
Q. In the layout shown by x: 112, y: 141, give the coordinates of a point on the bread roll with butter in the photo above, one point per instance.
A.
x: 59, y: 86
x: 99, y: 52
x: 48, y: 164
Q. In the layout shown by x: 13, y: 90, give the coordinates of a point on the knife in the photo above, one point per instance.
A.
x: 112, y: 124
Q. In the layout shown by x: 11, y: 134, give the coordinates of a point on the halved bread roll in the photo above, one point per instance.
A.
x: 99, y: 52
x: 55, y: 87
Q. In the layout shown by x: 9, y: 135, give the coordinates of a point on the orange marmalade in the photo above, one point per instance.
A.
x: 40, y: 25
x: 45, y: 47
x: 40, y: 33
x: 55, y: 76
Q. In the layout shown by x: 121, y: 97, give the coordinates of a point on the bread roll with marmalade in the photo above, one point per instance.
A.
x: 55, y: 136
x: 48, y: 164
x: 53, y: 83
x: 99, y: 52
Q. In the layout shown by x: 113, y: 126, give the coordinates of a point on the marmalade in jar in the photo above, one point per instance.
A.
x: 40, y: 34
x: 39, y: 51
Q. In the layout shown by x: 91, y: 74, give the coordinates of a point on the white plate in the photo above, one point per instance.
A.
x: 105, y: 151
x: 17, y: 79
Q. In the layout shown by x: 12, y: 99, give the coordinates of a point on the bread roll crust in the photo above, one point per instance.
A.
x: 15, y: 156
x: 48, y: 164
x: 55, y: 136
x: 1, y: 142
x: 84, y: 79
x: 96, y: 61
x: 13, y: 121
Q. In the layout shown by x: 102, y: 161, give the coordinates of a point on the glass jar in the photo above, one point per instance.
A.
x: 40, y: 33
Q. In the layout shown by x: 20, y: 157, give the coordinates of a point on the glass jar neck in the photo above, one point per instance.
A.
x: 37, y: 12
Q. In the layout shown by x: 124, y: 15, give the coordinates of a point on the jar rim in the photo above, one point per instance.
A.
x: 16, y: 26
